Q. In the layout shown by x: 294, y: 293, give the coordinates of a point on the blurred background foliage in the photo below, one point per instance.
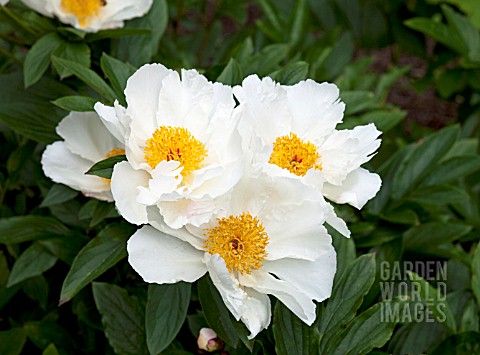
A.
x: 411, y: 67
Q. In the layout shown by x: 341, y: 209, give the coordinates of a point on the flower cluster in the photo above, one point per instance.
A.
x: 238, y: 191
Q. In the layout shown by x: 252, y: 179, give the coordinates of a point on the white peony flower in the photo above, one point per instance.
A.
x: 183, y: 150
x: 270, y: 240
x: 86, y: 142
x: 3, y: 2
x: 91, y: 15
x: 290, y: 131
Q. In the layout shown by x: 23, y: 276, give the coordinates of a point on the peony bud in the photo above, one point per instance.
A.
x: 209, y: 341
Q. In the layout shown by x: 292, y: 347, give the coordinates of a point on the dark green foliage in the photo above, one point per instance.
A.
x: 65, y: 283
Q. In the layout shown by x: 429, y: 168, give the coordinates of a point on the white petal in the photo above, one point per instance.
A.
x: 336, y: 222
x: 226, y: 284
x: 142, y: 94
x: 263, y: 106
x: 115, y: 119
x: 156, y: 220
x: 315, y: 108
x: 86, y: 136
x: 314, y: 278
x: 161, y: 258
x: 251, y: 307
x: 344, y: 151
x: 296, y: 300
x: 185, y: 211
x: 64, y: 167
x: 357, y: 189
x: 124, y: 183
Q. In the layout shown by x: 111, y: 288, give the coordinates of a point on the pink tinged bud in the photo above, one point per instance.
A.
x: 209, y: 341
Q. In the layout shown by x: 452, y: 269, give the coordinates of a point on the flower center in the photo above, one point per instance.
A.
x: 82, y: 9
x: 240, y: 241
x: 113, y: 153
x: 175, y: 143
x: 297, y: 156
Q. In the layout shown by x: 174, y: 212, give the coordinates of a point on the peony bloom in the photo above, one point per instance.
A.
x: 86, y: 142
x: 290, y: 131
x: 91, y: 15
x: 183, y: 150
x: 269, y: 240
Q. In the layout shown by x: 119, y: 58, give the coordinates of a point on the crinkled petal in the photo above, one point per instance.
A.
x: 156, y: 219
x: 318, y: 284
x: 315, y: 108
x: 263, y: 108
x: 115, y: 119
x: 251, y: 307
x: 86, y: 136
x: 161, y: 258
x: 357, y: 189
x: 344, y: 151
x: 124, y: 183
x: 295, y: 299
x: 64, y: 167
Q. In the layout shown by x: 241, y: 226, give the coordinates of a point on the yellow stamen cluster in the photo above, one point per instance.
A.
x: 113, y: 153
x: 175, y: 143
x: 240, y: 241
x: 83, y: 10
x: 297, y: 156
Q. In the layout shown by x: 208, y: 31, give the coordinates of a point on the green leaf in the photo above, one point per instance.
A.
x: 231, y: 74
x: 75, y: 51
x: 437, y: 305
x: 32, y: 125
x: 438, y: 31
x: 299, y: 21
x: 291, y: 74
x: 14, y: 230
x: 45, y: 332
x: 266, y: 61
x: 86, y: 75
x: 433, y: 233
x: 50, y: 350
x: 58, y: 194
x: 37, y: 60
x: 357, y: 101
x: 216, y: 313
x: 116, y: 33
x: 139, y: 50
x: 367, y: 331
x: 34, y: 261
x: 452, y: 170
x: 476, y: 273
x: 122, y: 317
x: 99, y: 255
x: 12, y: 341
x: 423, y: 157
x: 36, y: 288
x: 166, y: 311
x: 467, y: 343
x: 292, y: 336
x: 102, y: 210
x: 104, y: 168
x: 118, y: 73
x: 76, y: 103
x: 439, y: 195
x: 346, y: 298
